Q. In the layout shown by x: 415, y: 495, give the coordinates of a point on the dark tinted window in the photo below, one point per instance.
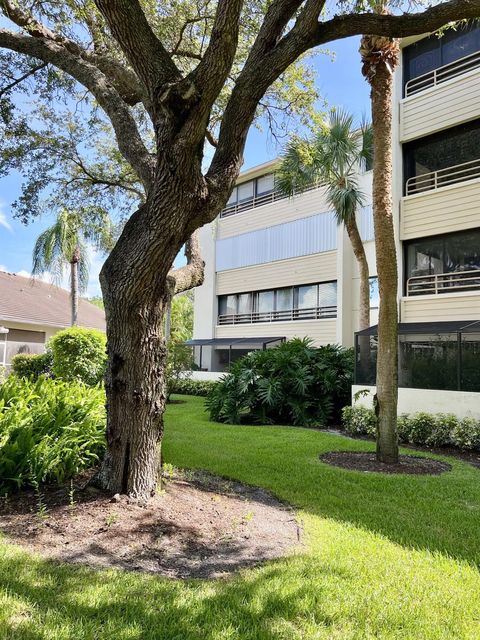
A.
x: 433, y: 52
x: 443, y: 150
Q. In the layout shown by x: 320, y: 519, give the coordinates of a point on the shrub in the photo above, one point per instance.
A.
x: 432, y: 430
x: 359, y: 421
x: 179, y: 365
x: 190, y: 387
x: 49, y: 430
x: 32, y: 365
x: 293, y: 383
x: 466, y: 434
x: 79, y: 355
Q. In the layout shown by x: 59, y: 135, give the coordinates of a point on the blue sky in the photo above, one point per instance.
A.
x: 339, y: 81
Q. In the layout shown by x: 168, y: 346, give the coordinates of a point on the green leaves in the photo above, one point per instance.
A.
x: 294, y: 383
x: 49, y: 430
x: 79, y: 355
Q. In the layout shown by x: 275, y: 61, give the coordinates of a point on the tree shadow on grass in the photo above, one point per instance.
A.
x: 76, y: 602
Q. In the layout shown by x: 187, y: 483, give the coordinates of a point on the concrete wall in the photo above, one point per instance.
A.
x: 463, y: 404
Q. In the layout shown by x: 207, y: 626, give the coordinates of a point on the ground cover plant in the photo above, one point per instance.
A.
x: 49, y: 431
x: 294, y: 383
x: 388, y: 557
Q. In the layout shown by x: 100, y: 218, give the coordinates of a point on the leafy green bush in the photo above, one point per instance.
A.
x: 432, y: 430
x: 189, y: 387
x: 26, y: 365
x: 49, y: 430
x: 359, y: 421
x: 293, y: 383
x: 79, y: 355
x: 466, y: 434
x: 179, y: 365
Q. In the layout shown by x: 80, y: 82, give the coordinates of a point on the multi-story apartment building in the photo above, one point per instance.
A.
x: 281, y: 267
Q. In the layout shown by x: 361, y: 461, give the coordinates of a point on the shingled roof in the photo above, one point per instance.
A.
x: 36, y: 302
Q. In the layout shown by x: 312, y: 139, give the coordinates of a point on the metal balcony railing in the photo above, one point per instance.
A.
x: 444, y: 282
x: 258, y: 201
x: 313, y: 313
x: 443, y: 177
x: 442, y: 74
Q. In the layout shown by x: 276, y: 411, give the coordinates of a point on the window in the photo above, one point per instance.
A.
x: 21, y: 341
x: 327, y: 294
x: 245, y: 191
x: 264, y: 301
x: 307, y: 297
x: 430, y: 53
x: 441, y: 151
x: 304, y: 302
x: 431, y: 261
x: 284, y: 299
x: 265, y: 184
x: 374, y: 292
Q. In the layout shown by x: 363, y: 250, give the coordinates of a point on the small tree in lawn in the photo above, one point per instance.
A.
x: 332, y: 159
x: 163, y: 80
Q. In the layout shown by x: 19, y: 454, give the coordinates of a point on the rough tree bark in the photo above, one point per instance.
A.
x: 360, y: 255
x: 380, y: 57
x: 137, y: 280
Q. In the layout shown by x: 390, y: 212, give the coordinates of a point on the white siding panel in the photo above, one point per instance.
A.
x: 285, y: 210
x: 315, y: 234
x: 320, y: 331
x: 445, y: 210
x: 440, y: 107
x: 320, y: 267
x: 460, y: 306
x: 365, y: 223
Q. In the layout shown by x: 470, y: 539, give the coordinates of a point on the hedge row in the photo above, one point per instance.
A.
x: 190, y: 387
x: 431, y: 430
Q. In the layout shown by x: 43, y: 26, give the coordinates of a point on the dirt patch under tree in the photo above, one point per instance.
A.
x: 364, y: 461
x: 200, y: 526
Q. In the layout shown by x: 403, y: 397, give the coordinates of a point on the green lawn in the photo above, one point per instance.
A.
x: 387, y: 556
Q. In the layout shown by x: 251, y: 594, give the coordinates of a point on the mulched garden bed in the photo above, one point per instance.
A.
x: 364, y: 461
x: 200, y: 526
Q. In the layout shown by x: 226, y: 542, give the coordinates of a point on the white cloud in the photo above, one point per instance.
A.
x: 4, y: 221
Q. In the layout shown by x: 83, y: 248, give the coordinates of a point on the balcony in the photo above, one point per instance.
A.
x: 442, y: 201
x: 443, y: 98
x: 442, y: 74
x: 313, y: 313
x: 259, y: 201
x: 443, y: 177
x: 438, y: 283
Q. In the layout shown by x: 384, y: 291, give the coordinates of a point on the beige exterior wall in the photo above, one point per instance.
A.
x: 320, y: 331
x: 301, y: 206
x: 445, y: 105
x: 444, y: 210
x: 318, y: 267
x: 455, y: 306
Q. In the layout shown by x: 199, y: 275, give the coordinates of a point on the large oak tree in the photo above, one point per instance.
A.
x: 128, y: 68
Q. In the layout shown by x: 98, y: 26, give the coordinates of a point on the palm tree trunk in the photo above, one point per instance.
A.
x: 380, y: 56
x: 74, y: 290
x: 360, y: 255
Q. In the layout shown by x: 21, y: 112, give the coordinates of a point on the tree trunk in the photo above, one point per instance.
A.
x: 387, y: 357
x: 74, y: 290
x: 137, y: 288
x: 359, y: 251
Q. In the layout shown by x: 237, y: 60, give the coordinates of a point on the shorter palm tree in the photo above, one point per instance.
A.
x: 64, y: 244
x: 332, y: 159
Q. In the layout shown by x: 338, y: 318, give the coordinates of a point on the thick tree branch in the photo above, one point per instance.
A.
x: 407, y: 24
x: 123, y: 78
x: 192, y: 274
x: 147, y: 55
x: 128, y: 137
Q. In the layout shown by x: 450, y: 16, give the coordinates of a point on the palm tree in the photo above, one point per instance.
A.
x: 332, y: 159
x: 64, y: 244
x: 380, y: 57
